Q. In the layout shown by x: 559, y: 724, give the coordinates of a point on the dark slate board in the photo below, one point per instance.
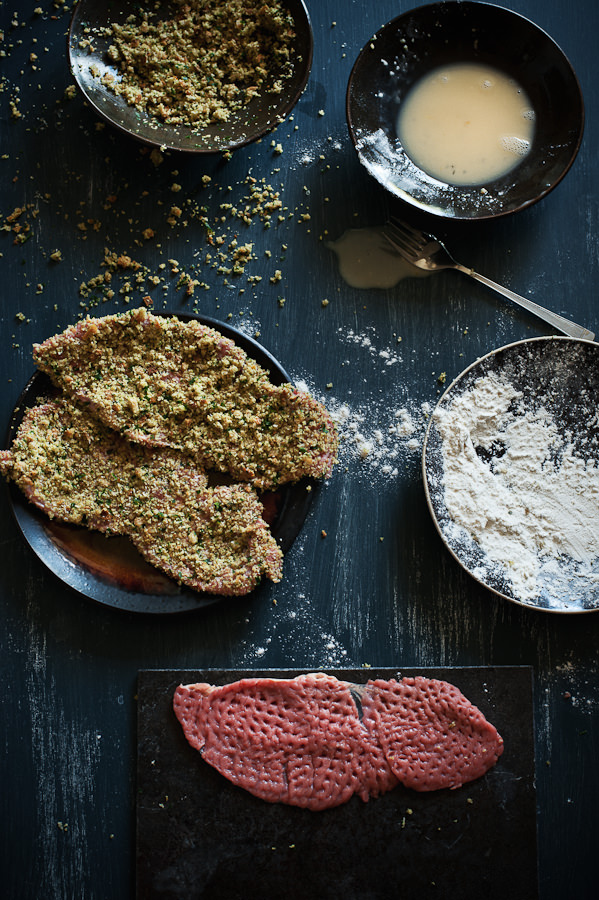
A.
x: 199, y: 836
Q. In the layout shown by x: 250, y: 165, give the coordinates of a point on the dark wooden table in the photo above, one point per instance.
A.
x: 379, y: 589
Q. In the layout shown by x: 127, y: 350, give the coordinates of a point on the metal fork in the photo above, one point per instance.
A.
x: 426, y: 252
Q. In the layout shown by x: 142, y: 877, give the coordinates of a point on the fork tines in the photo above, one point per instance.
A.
x: 404, y: 237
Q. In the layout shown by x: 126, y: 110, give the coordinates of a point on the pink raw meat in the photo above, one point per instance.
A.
x: 297, y: 741
x: 302, y: 741
x: 431, y: 735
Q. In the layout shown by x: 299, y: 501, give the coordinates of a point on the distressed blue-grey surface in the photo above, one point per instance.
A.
x: 380, y: 588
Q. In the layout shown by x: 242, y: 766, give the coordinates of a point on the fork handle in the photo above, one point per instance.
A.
x: 558, y: 322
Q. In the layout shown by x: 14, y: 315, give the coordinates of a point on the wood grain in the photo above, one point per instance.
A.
x: 380, y: 588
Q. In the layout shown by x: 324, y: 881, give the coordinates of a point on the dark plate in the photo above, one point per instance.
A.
x: 429, y: 36
x: 199, y: 836
x: 560, y: 375
x: 109, y: 569
x: 263, y: 113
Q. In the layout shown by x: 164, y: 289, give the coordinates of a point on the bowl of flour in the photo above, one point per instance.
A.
x: 511, y: 472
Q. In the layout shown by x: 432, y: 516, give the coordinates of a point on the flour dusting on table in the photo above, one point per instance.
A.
x: 523, y: 487
x: 381, y: 427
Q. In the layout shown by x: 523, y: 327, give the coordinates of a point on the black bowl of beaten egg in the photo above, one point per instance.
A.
x: 465, y: 110
x: 200, y: 77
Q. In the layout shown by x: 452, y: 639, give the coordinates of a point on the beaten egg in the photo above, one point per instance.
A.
x: 466, y: 123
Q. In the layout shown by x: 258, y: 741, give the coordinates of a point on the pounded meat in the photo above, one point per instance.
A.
x: 431, y: 735
x: 297, y: 741
x: 304, y: 742
x: 73, y: 468
x: 162, y: 382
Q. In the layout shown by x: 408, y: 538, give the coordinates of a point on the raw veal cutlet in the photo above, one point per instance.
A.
x: 314, y: 741
x: 76, y: 470
x: 163, y: 382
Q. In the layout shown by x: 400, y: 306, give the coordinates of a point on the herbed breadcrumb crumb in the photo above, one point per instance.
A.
x: 202, y: 62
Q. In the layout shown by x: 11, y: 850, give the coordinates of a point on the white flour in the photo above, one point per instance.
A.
x: 386, y: 355
x: 382, y: 431
x: 528, y: 497
x: 379, y: 445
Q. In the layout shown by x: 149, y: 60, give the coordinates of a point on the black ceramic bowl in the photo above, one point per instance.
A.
x: 422, y: 39
x: 87, y: 55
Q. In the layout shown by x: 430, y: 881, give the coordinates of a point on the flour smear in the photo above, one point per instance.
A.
x: 520, y: 488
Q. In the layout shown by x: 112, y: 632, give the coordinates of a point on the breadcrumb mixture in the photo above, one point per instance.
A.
x: 204, y: 61
x: 160, y: 381
x: 76, y: 470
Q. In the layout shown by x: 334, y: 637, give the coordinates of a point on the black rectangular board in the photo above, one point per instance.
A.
x: 199, y: 836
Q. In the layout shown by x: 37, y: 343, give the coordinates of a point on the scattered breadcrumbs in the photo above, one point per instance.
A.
x: 202, y: 63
